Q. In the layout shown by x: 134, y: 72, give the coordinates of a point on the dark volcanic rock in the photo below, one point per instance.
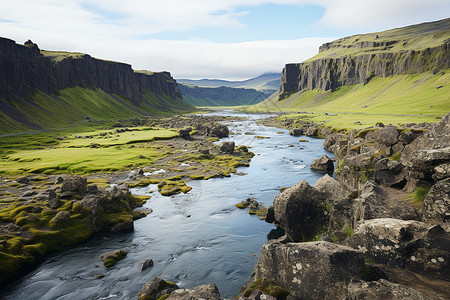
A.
x: 227, y: 147
x: 436, y: 206
x: 312, y: 270
x: 300, y: 211
x: 389, y: 173
x: 296, y: 131
x: 219, y: 131
x: 323, y: 163
x: 75, y: 185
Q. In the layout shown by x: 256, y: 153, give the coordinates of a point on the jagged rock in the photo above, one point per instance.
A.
x: 227, y: 147
x: 387, y: 136
x: 148, y: 263
x: 270, y: 217
x: 59, y: 180
x: 156, y: 288
x: 219, y: 131
x: 332, y: 188
x: 406, y: 137
x: 205, y: 291
x: 60, y: 220
x: 300, y: 211
x: 382, y: 290
x: 441, y: 172
x: 296, y: 131
x: 54, y: 203
x: 389, y: 173
x: 312, y: 270
x: 323, y: 163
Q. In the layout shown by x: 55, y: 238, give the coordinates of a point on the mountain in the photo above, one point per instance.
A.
x: 403, y: 70
x: 46, y: 89
x: 221, y: 96
x: 268, y: 82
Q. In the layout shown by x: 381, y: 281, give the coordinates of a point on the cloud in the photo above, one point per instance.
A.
x: 122, y: 30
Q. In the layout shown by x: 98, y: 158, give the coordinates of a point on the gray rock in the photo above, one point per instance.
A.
x: 301, y: 211
x: 387, y: 136
x: 156, y: 288
x: 312, y: 270
x: 148, y: 263
x: 227, y: 147
x: 60, y: 220
x: 75, y: 185
x: 219, y: 131
x: 205, y: 291
x: 323, y: 163
x: 382, y: 290
x: 389, y: 173
x: 436, y: 206
x: 296, y: 131
x: 185, y: 133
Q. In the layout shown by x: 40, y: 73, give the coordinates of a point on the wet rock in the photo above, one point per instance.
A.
x: 300, y: 211
x: 227, y: 147
x: 111, y: 258
x: 123, y: 226
x: 323, y: 163
x: 205, y: 291
x: 296, y: 131
x: 312, y: 270
x: 436, y: 206
x: 270, y: 217
x: 156, y: 288
x: 382, y: 290
x: 148, y: 263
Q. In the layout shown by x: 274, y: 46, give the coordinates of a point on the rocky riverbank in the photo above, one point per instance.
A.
x: 42, y: 213
x: 380, y: 230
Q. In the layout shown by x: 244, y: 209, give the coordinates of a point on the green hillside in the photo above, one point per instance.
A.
x: 413, y: 98
x: 76, y: 105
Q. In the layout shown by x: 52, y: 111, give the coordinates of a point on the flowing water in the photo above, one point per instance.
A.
x: 197, y: 238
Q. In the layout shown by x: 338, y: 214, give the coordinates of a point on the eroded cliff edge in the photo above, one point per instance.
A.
x: 357, y: 59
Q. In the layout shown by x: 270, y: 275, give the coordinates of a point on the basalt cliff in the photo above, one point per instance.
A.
x: 357, y: 59
x: 26, y: 71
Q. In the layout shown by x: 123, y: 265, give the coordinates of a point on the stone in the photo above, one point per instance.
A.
x: 110, y: 258
x: 59, y: 180
x: 441, y: 172
x: 436, y: 205
x: 205, y: 291
x: 270, y: 217
x: 387, y: 136
x: 24, y: 180
x: 219, y: 131
x: 227, y: 147
x: 185, y: 133
x: 60, y: 220
x: 382, y: 290
x: 156, y: 288
x: 389, y: 173
x: 332, y: 188
x: 300, y: 211
x: 323, y: 163
x: 406, y: 137
x: 75, y: 185
x: 148, y: 263
x: 311, y: 270
x: 296, y: 131
x: 54, y: 203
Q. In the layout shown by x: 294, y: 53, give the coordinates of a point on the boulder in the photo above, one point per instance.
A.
x: 323, y: 163
x: 110, y: 258
x: 156, y: 288
x: 75, y: 185
x: 301, y: 211
x: 389, y: 173
x: 387, y: 136
x: 311, y: 270
x: 436, y: 206
x: 219, y: 131
x: 332, y: 188
x: 148, y: 263
x: 185, y: 133
x: 205, y: 291
x: 227, y: 147
x: 296, y: 131
x: 382, y: 290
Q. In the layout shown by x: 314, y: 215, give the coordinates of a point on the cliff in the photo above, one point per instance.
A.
x: 221, y: 96
x: 26, y: 71
x: 357, y: 59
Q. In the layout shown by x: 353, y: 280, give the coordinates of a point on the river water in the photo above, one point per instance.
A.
x: 193, y: 239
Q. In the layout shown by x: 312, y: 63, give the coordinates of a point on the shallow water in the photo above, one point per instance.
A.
x: 197, y: 238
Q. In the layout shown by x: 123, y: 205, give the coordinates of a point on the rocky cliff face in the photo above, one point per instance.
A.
x: 24, y: 70
x: 358, y: 59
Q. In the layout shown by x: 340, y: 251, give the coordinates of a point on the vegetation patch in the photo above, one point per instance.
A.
x: 268, y: 287
x: 419, y: 194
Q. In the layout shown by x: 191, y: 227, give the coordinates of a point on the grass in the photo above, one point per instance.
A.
x: 105, y: 151
x: 419, y: 194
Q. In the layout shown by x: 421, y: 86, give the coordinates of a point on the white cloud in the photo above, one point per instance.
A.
x: 105, y: 29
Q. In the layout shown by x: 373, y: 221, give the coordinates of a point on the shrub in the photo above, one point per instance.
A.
x: 420, y: 194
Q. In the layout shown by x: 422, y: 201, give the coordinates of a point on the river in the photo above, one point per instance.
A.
x: 194, y: 238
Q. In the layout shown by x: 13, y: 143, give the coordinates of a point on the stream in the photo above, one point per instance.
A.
x: 194, y: 238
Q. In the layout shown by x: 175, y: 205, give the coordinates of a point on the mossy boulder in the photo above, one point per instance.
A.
x: 156, y: 288
x: 60, y: 221
x: 110, y: 258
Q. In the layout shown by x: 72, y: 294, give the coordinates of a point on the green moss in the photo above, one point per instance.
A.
x: 348, y: 230
x: 396, y: 156
x: 163, y: 297
x: 241, y: 206
x: 364, y: 132
x: 303, y: 141
x: 333, y: 237
x: 269, y: 287
x: 356, y: 148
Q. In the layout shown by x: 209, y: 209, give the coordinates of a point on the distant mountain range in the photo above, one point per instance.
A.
x: 268, y: 82
x: 216, y: 92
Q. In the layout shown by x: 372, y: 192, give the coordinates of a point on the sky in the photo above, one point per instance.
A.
x: 224, y: 39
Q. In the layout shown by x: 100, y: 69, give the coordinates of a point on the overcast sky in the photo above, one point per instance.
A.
x: 227, y: 39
